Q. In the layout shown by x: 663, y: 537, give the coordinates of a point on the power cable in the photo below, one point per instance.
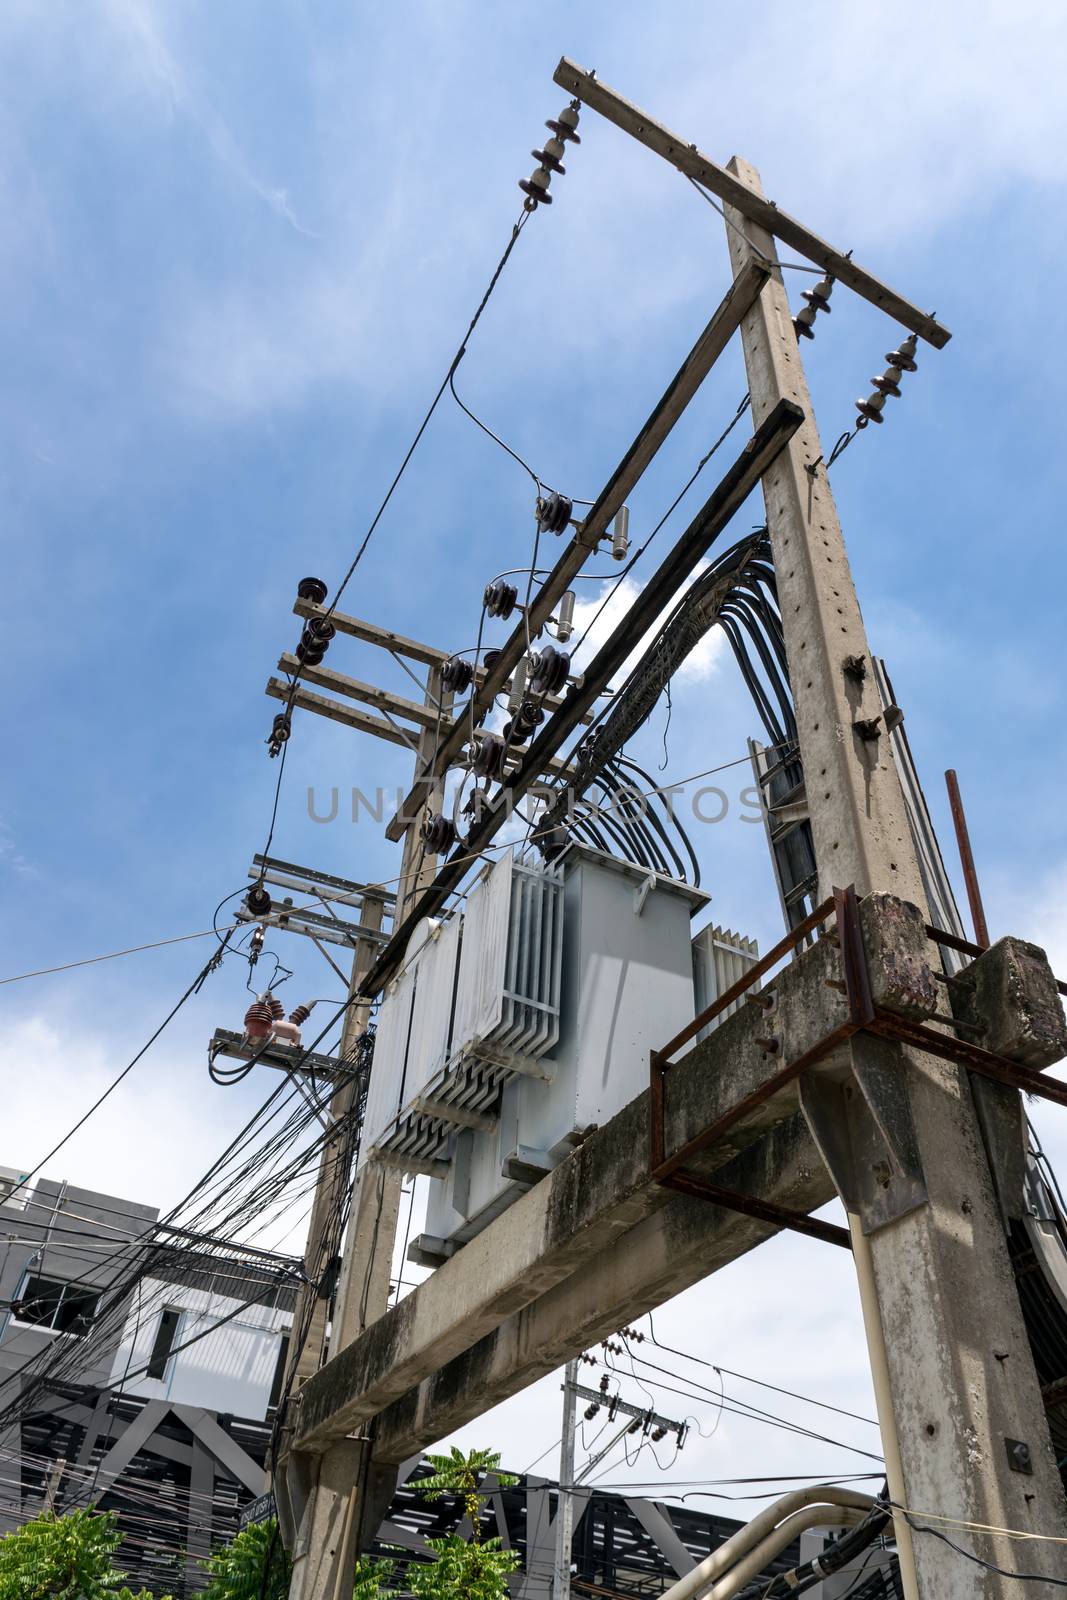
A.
x: 112, y: 955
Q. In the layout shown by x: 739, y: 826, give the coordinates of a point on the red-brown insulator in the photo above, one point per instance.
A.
x: 259, y: 1020
x: 312, y: 589
x: 277, y: 1010
x: 300, y: 1014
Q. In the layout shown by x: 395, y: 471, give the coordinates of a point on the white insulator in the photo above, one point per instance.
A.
x: 892, y: 375
x: 565, y: 623
x: 620, y: 534
x: 909, y: 347
x: 518, y: 687
x: 540, y: 178
x: 876, y: 401
x: 554, y: 148
x: 824, y: 288
x: 568, y: 116
x: 806, y: 315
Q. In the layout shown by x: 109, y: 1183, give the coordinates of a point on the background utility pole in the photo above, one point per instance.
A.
x: 333, y: 1173
x: 561, y: 1581
x: 329, y: 1495
x: 952, y: 1368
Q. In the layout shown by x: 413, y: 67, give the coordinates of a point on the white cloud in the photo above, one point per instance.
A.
x: 702, y: 662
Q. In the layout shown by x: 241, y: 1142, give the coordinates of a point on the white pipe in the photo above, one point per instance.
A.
x: 752, y: 1565
x: 883, y: 1397
x: 826, y: 1496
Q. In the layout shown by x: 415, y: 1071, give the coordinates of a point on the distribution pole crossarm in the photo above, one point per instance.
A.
x: 723, y: 324
x: 761, y: 451
x: 690, y: 161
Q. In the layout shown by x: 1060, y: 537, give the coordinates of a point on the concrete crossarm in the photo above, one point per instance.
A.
x: 603, y: 1189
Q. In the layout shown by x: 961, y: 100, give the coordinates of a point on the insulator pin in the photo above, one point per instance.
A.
x: 499, y: 599
x: 280, y: 730
x: 438, y: 833
x: 527, y: 718
x: 315, y: 641
x: 488, y: 758
x: 553, y: 513
x: 457, y: 674
x: 549, y: 670
x: 312, y: 589
x: 258, y: 900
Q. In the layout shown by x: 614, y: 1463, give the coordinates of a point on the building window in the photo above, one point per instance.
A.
x: 166, y: 1334
x: 279, y: 1372
x: 49, y: 1303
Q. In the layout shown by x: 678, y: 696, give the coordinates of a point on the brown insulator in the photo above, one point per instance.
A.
x: 490, y: 659
x: 300, y: 1013
x: 277, y: 1010
x: 312, y: 589
x: 280, y: 730
x: 259, y: 1020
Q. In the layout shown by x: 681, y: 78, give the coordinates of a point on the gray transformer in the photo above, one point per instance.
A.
x: 613, y: 970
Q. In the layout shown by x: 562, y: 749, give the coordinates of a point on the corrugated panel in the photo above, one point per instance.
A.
x: 431, y: 1022
x: 482, y: 962
x: 390, y: 1052
x: 720, y: 958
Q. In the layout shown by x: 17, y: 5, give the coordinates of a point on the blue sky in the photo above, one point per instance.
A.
x: 240, y: 246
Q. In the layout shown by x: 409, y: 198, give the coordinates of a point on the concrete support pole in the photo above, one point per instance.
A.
x: 561, y: 1581
x: 333, y: 1173
x: 331, y: 1502
x: 961, y: 1379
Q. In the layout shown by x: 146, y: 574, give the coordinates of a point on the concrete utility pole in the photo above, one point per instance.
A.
x: 561, y: 1580
x: 333, y: 1170
x: 953, y: 1374
x: 327, y: 1495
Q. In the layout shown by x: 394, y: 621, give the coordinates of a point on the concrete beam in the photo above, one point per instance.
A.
x: 671, y: 1249
x: 728, y: 1084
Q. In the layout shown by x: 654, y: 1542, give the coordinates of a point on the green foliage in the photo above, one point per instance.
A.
x: 64, y: 1558
x: 236, y: 1571
x: 475, y: 1571
x: 464, y: 1570
x: 370, y: 1578
x: 459, y: 1474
